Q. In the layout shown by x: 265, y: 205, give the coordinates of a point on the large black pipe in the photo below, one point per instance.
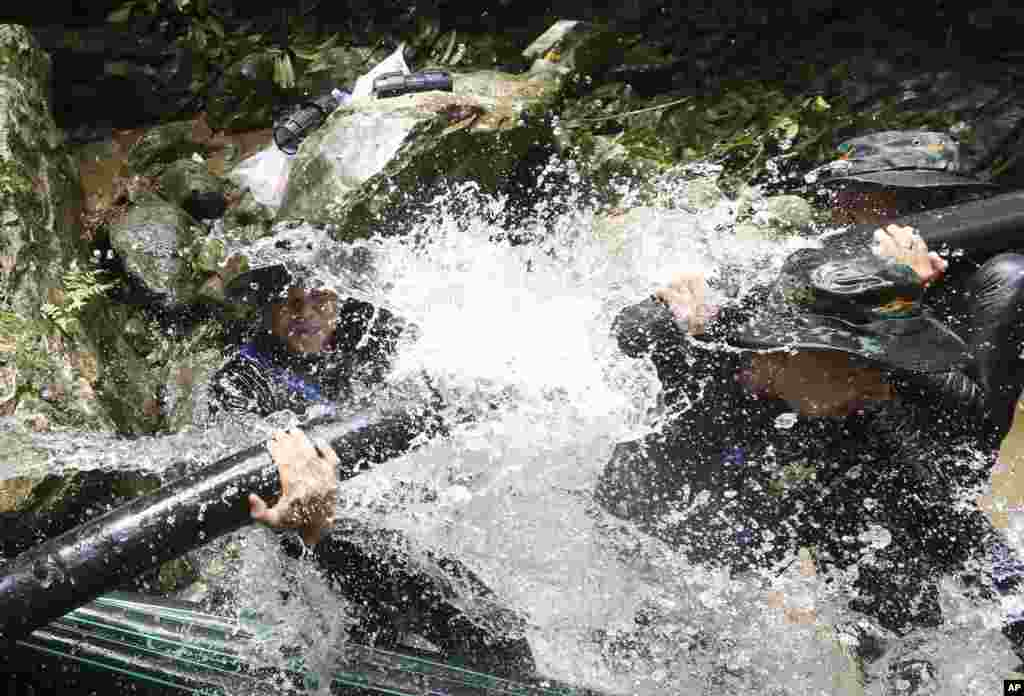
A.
x: 74, y: 568
x: 990, y: 225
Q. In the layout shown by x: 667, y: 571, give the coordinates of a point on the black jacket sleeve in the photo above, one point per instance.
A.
x: 648, y: 329
x: 984, y: 395
x: 241, y: 385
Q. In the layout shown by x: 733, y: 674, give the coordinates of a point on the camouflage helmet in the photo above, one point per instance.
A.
x: 897, y: 159
x: 842, y: 297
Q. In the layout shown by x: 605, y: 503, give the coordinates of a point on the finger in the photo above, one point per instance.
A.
x: 938, y: 263
x: 326, y: 451
x: 260, y: 511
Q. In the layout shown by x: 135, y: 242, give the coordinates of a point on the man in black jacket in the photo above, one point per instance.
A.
x: 830, y: 411
x: 312, y: 354
x: 312, y: 349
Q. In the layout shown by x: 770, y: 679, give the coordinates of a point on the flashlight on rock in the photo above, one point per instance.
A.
x: 395, y: 84
x: 288, y: 135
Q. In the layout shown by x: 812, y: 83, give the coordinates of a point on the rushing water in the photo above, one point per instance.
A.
x: 519, y: 335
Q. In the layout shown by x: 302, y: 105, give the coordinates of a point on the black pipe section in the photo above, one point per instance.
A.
x: 70, y: 570
x: 990, y: 226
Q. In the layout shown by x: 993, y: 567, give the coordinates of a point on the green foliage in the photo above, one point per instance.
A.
x: 24, y: 341
x: 81, y: 288
x: 754, y: 129
x: 208, y: 38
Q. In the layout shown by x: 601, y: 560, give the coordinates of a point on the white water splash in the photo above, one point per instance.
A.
x: 519, y: 336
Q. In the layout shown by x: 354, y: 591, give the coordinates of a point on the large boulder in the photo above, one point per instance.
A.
x: 167, y: 143
x: 40, y: 195
x: 153, y: 240
x: 375, y: 160
x: 190, y: 185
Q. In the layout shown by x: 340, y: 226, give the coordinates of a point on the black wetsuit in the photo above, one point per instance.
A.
x: 394, y: 590
x: 263, y: 377
x: 730, y: 478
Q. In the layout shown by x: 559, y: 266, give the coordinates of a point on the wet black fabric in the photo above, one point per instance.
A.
x: 263, y: 377
x: 393, y: 591
x: 890, y: 490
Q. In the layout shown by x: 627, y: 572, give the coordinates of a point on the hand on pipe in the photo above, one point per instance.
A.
x: 309, y: 486
x: 904, y: 245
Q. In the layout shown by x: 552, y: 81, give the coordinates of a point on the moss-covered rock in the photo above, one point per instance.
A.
x: 247, y: 219
x: 55, y: 376
x: 186, y: 395
x: 584, y: 48
x: 369, y: 167
x: 772, y: 216
x: 40, y: 196
x: 190, y: 185
x: 153, y: 240
x: 167, y: 143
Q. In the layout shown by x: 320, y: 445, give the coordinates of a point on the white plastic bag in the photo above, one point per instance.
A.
x: 266, y: 172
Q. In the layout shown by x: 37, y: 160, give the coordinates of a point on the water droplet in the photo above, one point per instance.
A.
x: 786, y: 421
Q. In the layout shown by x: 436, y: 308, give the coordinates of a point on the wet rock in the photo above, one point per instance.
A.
x: 152, y: 240
x: 48, y: 379
x: 192, y: 187
x: 568, y: 46
x: 769, y: 217
x: 246, y: 95
x: 186, y: 398
x: 170, y: 142
x: 40, y: 196
x: 132, y: 349
x: 247, y: 219
x: 375, y: 160
x: 700, y: 194
x: 535, y: 92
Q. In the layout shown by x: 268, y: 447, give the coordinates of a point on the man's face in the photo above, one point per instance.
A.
x: 305, y: 319
x: 817, y: 382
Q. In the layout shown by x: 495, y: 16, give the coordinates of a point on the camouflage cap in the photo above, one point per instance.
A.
x: 907, y: 159
x: 863, y: 305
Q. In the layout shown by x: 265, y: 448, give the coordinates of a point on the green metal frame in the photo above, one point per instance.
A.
x: 178, y: 647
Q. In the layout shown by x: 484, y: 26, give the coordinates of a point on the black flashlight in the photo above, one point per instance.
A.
x: 288, y: 135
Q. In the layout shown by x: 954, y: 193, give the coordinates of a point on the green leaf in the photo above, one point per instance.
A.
x: 820, y: 104
x: 329, y: 43
x: 787, y: 127
x: 306, y: 54
x: 214, y: 25
x: 284, y: 73
x: 121, y: 14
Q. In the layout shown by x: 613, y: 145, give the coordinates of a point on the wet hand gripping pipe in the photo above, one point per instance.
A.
x: 70, y: 570
x: 989, y: 225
